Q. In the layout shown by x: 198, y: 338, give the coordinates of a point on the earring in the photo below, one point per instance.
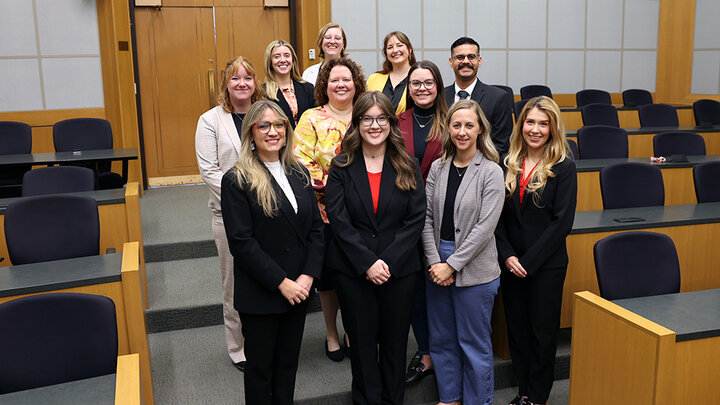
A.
x: 252, y: 145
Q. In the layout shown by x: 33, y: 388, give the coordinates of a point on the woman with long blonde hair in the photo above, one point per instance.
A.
x: 283, y: 83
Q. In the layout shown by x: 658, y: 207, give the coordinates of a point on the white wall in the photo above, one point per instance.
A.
x: 706, y: 49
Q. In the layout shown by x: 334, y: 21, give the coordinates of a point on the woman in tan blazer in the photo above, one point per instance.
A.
x: 464, y: 200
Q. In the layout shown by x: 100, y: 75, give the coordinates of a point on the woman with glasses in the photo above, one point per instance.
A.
x: 332, y: 43
x: 464, y: 198
x: 392, y: 79
x: 283, y: 83
x: 376, y: 207
x: 422, y: 126
x: 275, y: 235
x: 319, y: 134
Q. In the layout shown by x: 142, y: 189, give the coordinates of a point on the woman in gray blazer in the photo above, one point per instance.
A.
x: 464, y: 200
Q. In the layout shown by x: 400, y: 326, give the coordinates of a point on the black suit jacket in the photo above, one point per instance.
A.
x: 536, y: 233
x: 268, y: 249
x: 497, y: 105
x: 361, y: 237
x: 305, y: 95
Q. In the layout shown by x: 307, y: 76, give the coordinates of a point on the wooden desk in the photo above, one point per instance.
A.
x: 116, y: 276
x: 663, y: 349
x: 628, y: 116
x: 677, y: 177
x: 121, y: 388
x: 640, y: 140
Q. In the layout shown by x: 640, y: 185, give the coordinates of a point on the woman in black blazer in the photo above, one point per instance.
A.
x: 376, y: 205
x: 283, y: 83
x: 538, y: 214
x: 274, y: 230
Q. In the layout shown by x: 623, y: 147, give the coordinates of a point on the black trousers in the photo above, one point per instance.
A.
x: 532, y: 310
x: 378, y: 321
x: 272, y: 347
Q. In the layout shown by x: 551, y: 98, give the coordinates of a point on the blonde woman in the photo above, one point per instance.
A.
x: 283, y: 83
x: 392, y: 79
x: 541, y: 188
x: 332, y: 43
x: 275, y: 234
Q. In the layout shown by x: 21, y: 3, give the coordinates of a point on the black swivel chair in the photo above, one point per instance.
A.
x: 706, y: 112
x: 658, y: 115
x: 518, y: 107
x: 15, y: 138
x: 55, y: 338
x: 534, y: 90
x: 507, y: 89
x: 706, y: 177
x: 602, y: 142
x: 636, y: 97
x: 636, y: 264
x: 88, y: 134
x: 592, y: 96
x: 600, y: 114
x: 631, y: 184
x: 57, y: 180
x: 574, y: 152
x: 52, y: 227
x: 678, y: 143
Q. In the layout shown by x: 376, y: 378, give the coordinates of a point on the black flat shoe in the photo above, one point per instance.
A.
x: 335, y: 355
x: 416, y: 370
x: 240, y: 365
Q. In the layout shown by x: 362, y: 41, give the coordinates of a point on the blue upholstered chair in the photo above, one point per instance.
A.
x: 706, y: 177
x: 592, y: 96
x: 57, y: 180
x: 636, y: 264
x: 507, y: 89
x: 49, y: 339
x: 631, y: 184
x: 600, y: 114
x: 658, y: 115
x: 534, y: 90
x: 676, y: 143
x: 602, y: 142
x: 518, y: 106
x: 706, y: 112
x: 636, y: 97
x: 574, y: 152
x: 15, y: 138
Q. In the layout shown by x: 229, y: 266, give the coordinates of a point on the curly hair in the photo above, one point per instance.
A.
x: 321, y: 97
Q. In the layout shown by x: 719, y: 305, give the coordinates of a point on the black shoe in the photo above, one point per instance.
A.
x: 240, y: 365
x: 416, y: 370
x: 335, y: 355
x: 344, y: 347
x: 518, y: 400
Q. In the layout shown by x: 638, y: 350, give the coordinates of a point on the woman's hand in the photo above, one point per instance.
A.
x: 305, y: 281
x: 513, y: 264
x: 378, y: 273
x: 293, y: 291
x: 442, y: 274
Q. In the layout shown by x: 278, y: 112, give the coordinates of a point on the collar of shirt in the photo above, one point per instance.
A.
x: 469, y: 89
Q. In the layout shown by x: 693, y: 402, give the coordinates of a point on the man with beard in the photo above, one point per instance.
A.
x: 497, y: 104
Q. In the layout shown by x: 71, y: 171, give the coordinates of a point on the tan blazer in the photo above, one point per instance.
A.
x: 478, y: 205
x: 217, y: 145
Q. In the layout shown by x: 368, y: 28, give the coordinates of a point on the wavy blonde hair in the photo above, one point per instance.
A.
x: 483, y: 143
x: 271, y: 83
x: 230, y: 68
x: 556, y: 148
x: 250, y: 170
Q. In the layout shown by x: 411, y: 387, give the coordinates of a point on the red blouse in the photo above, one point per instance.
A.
x: 525, y: 179
x: 374, y: 179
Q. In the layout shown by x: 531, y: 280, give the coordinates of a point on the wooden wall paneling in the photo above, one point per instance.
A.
x: 588, y: 195
x: 697, y: 366
x: 712, y: 143
x: 640, y: 145
x: 676, y: 35
x: 311, y: 16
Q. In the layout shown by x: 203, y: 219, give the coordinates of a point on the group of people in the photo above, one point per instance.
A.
x: 402, y: 202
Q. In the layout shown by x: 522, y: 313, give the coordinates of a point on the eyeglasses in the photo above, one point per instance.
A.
x: 330, y: 38
x: 429, y: 84
x: 381, y: 120
x: 264, y: 126
x: 471, y: 57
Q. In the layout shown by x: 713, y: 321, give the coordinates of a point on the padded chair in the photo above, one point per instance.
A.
x: 518, y: 106
x: 88, y: 134
x: 57, y: 180
x: 600, y: 114
x: 636, y: 264
x: 573, y: 146
x: 678, y: 143
x: 52, y: 227
x: 707, y: 182
x: 507, y: 89
x: 592, y: 96
x: 534, y: 90
x: 636, y: 97
x: 658, y: 115
x: 602, y: 142
x: 55, y: 338
x: 631, y: 184
x: 706, y: 112
x: 15, y: 138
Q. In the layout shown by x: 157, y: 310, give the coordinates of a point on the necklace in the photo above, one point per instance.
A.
x: 240, y: 117
x: 460, y: 171
x: 431, y: 117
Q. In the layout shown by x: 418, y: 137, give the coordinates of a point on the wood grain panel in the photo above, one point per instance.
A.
x: 311, y: 15
x: 113, y: 227
x: 589, y: 197
x: 127, y: 380
x: 640, y: 146
x: 676, y: 34
x: 50, y: 117
x: 697, y: 367
x: 712, y: 143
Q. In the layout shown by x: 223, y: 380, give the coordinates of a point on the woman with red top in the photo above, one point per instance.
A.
x: 375, y: 201
x: 541, y: 185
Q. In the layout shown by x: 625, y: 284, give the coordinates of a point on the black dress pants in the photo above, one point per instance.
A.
x: 272, y: 347
x: 378, y: 321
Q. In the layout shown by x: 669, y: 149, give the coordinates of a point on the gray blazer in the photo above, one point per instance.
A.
x: 478, y: 205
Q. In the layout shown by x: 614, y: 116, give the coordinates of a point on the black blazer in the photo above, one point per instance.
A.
x: 305, y: 95
x: 536, y: 235
x: 361, y: 237
x: 497, y: 105
x: 265, y: 249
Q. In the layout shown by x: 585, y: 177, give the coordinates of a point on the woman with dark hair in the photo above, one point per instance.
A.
x: 332, y: 43
x: 275, y: 235
x: 283, y: 83
x: 318, y: 137
x: 538, y: 214
x: 392, y: 79
x: 376, y: 206
x: 217, y: 143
